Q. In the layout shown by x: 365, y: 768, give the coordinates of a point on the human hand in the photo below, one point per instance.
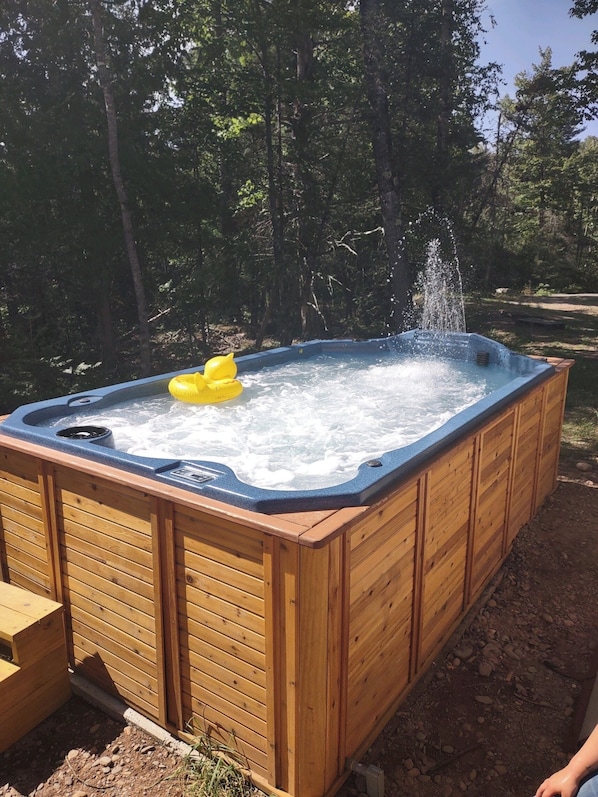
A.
x: 563, y: 782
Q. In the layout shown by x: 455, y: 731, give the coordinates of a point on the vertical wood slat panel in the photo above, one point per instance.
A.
x: 313, y: 671
x: 159, y: 513
x: 338, y: 642
x: 50, y: 520
x: 289, y: 746
x: 221, y: 594
x: 21, y: 490
x: 85, y: 506
x: 449, y: 487
x: 421, y: 522
x: 496, y: 445
x: 382, y: 570
x: 554, y: 407
x: 525, y: 466
x: 172, y: 643
x: 272, y: 642
x: 309, y: 654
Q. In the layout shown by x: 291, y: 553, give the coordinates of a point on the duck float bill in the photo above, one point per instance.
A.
x: 217, y: 383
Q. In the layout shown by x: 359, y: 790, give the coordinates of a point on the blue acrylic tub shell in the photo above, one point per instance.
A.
x: 217, y: 481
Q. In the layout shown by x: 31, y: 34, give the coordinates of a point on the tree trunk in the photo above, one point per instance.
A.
x: 278, y: 300
x: 307, y: 200
x: 106, y: 86
x: 228, y: 225
x: 388, y: 183
x: 445, y: 106
x: 104, y: 316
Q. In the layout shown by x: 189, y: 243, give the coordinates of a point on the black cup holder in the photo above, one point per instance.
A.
x: 92, y: 434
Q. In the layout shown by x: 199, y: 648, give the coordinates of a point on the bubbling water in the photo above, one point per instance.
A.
x: 302, y: 425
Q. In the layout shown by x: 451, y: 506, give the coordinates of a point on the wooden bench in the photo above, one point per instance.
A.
x: 34, y: 678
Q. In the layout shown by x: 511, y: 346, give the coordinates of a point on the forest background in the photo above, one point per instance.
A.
x: 171, y: 166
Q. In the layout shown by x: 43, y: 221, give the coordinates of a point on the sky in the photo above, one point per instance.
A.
x: 524, y: 26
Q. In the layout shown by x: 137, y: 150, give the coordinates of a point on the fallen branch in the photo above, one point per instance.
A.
x: 456, y: 757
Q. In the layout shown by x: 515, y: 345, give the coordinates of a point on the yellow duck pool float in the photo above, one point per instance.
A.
x: 217, y: 383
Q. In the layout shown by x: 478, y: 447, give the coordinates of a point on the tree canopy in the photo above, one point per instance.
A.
x: 169, y: 166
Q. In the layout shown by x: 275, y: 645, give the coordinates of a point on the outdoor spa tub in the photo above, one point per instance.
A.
x: 289, y: 624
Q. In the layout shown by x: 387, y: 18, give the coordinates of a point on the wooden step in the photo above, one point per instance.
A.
x: 34, y: 678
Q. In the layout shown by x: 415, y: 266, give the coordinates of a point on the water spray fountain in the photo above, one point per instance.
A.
x: 440, y: 283
x: 433, y: 247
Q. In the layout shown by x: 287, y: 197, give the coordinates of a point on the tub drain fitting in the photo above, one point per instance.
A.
x: 93, y: 434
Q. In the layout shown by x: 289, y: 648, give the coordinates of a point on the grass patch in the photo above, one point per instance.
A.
x: 214, y: 770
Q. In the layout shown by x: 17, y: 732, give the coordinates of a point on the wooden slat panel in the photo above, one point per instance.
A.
x: 438, y: 625
x: 496, y: 450
x: 204, y: 532
x: 371, y: 610
x: 107, y: 564
x: 238, y: 719
x: 103, y: 608
x: 222, y: 604
x: 235, y: 633
x: 104, y: 668
x: 124, y: 662
x: 442, y: 600
x: 444, y: 586
x: 18, y: 533
x: 220, y: 593
x: 20, y: 499
x: 551, y: 436
x: 30, y: 581
x: 109, y: 552
x: 488, y: 558
x: 21, y: 539
x: 388, y: 512
x: 240, y: 693
x: 29, y: 567
x: 132, y: 586
x: 496, y: 460
x: 378, y: 673
x: 24, y: 547
x: 208, y: 574
x: 119, y: 504
x: 524, y: 476
x: 395, y: 539
x: 88, y: 514
x: 231, y: 638
x: 454, y: 542
x: 395, y: 567
x: 226, y: 667
x: 449, y: 492
x: 212, y: 552
x: 18, y: 468
x: 137, y: 656
x: 109, y: 593
x: 382, y: 569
